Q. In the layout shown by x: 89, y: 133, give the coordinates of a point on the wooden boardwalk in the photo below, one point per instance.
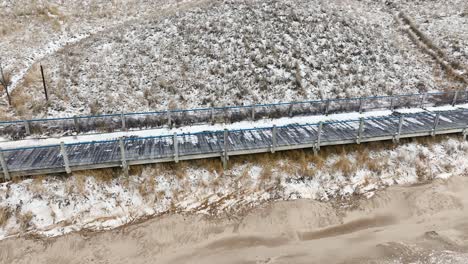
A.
x: 133, y: 151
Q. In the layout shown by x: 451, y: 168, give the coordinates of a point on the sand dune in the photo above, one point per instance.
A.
x: 412, y: 224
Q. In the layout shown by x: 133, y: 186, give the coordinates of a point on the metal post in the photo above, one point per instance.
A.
x: 77, y: 125
x: 455, y: 97
x: 392, y: 104
x: 6, y: 174
x: 319, y: 138
x: 44, y: 84
x: 124, y: 122
x: 66, y: 162
x: 123, y: 157
x: 361, y: 129
x: 400, y: 127
x: 27, y: 127
x: 436, y: 124
x: 273, y: 139
x: 225, y: 150
x: 253, y: 112
x: 175, y: 141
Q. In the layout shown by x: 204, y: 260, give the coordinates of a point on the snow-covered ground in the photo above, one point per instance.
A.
x: 52, y: 206
x: 238, y: 52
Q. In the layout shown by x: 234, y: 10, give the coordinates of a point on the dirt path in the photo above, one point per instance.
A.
x: 420, y: 224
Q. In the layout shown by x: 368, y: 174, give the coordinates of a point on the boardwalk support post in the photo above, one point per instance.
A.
x: 124, y: 123
x: 319, y: 138
x: 361, y: 129
x: 77, y: 124
x: 27, y: 126
x: 225, y: 149
x: 253, y: 112
x: 400, y: 127
x: 123, y: 156
x: 175, y: 141
x: 455, y: 98
x: 6, y: 174
x: 66, y: 162
x: 273, y: 139
x: 436, y: 124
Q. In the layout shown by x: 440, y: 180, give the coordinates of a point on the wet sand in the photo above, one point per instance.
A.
x: 411, y: 224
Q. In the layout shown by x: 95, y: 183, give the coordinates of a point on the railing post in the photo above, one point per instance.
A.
x: 392, y: 103
x: 6, y: 174
x: 123, y: 157
x: 77, y: 124
x: 327, y: 106
x: 436, y: 124
x: 169, y: 118
x: 361, y: 105
x: 225, y: 150
x: 66, y: 162
x: 124, y: 123
x: 175, y: 142
x: 465, y: 133
x: 361, y: 129
x: 455, y: 98
x: 400, y: 127
x: 319, y: 138
x: 212, y: 115
x: 253, y: 112
x: 423, y: 100
x: 273, y: 139
x: 290, y: 110
x: 27, y: 127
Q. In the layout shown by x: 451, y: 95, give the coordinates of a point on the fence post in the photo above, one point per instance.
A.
x: 66, y: 162
x: 319, y: 138
x: 273, y: 139
x: 6, y: 174
x: 27, y: 127
x: 123, y: 156
x: 455, y: 97
x: 361, y: 129
x: 400, y: 127
x: 175, y: 142
x: 225, y: 150
x: 253, y: 112
x: 436, y: 124
x: 290, y: 110
x: 124, y: 123
x: 77, y: 124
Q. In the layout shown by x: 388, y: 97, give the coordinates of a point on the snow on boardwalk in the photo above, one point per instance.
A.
x: 144, y: 150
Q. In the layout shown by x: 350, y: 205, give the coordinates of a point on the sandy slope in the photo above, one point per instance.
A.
x: 419, y: 224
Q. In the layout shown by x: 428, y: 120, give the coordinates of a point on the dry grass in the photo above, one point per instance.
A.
x: 24, y: 220
x: 344, y: 165
x: 5, y: 214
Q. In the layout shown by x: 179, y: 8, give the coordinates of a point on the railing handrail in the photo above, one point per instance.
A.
x: 162, y: 112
